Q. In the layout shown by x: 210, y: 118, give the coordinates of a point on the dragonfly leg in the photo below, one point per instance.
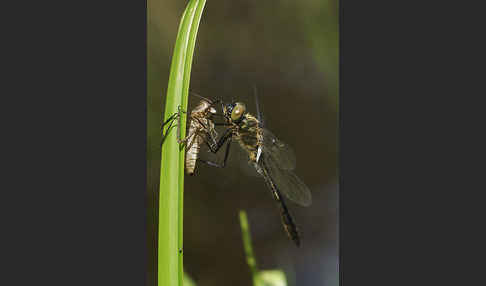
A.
x: 209, y: 136
x: 171, y: 119
x: 214, y: 164
x: 228, y: 134
x: 210, y: 141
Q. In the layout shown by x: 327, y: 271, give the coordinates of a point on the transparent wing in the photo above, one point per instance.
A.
x: 287, y: 182
x: 280, y: 152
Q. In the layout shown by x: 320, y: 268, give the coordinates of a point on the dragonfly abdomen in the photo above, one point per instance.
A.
x: 287, y: 221
x: 289, y: 224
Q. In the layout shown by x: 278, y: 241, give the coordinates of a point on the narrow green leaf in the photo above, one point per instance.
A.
x: 170, y: 244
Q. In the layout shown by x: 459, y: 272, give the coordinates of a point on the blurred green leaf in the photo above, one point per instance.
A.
x: 188, y: 281
x: 271, y: 278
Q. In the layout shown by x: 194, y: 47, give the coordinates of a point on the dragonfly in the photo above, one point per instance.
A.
x: 201, y: 130
x: 273, y: 159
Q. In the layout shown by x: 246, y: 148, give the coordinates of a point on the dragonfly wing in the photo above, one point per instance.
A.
x: 278, y: 150
x: 287, y: 182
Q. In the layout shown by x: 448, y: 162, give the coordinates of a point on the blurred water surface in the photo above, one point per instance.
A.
x: 289, y: 50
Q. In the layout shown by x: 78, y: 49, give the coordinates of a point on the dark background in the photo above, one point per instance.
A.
x: 289, y: 50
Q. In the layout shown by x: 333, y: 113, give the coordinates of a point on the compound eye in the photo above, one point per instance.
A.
x: 238, y: 111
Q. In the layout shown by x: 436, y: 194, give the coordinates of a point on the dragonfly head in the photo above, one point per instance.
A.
x: 234, y: 111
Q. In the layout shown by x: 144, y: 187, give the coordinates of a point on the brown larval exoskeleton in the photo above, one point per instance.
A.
x: 201, y: 130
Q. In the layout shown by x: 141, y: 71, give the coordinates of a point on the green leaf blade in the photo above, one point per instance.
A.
x: 170, y: 245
